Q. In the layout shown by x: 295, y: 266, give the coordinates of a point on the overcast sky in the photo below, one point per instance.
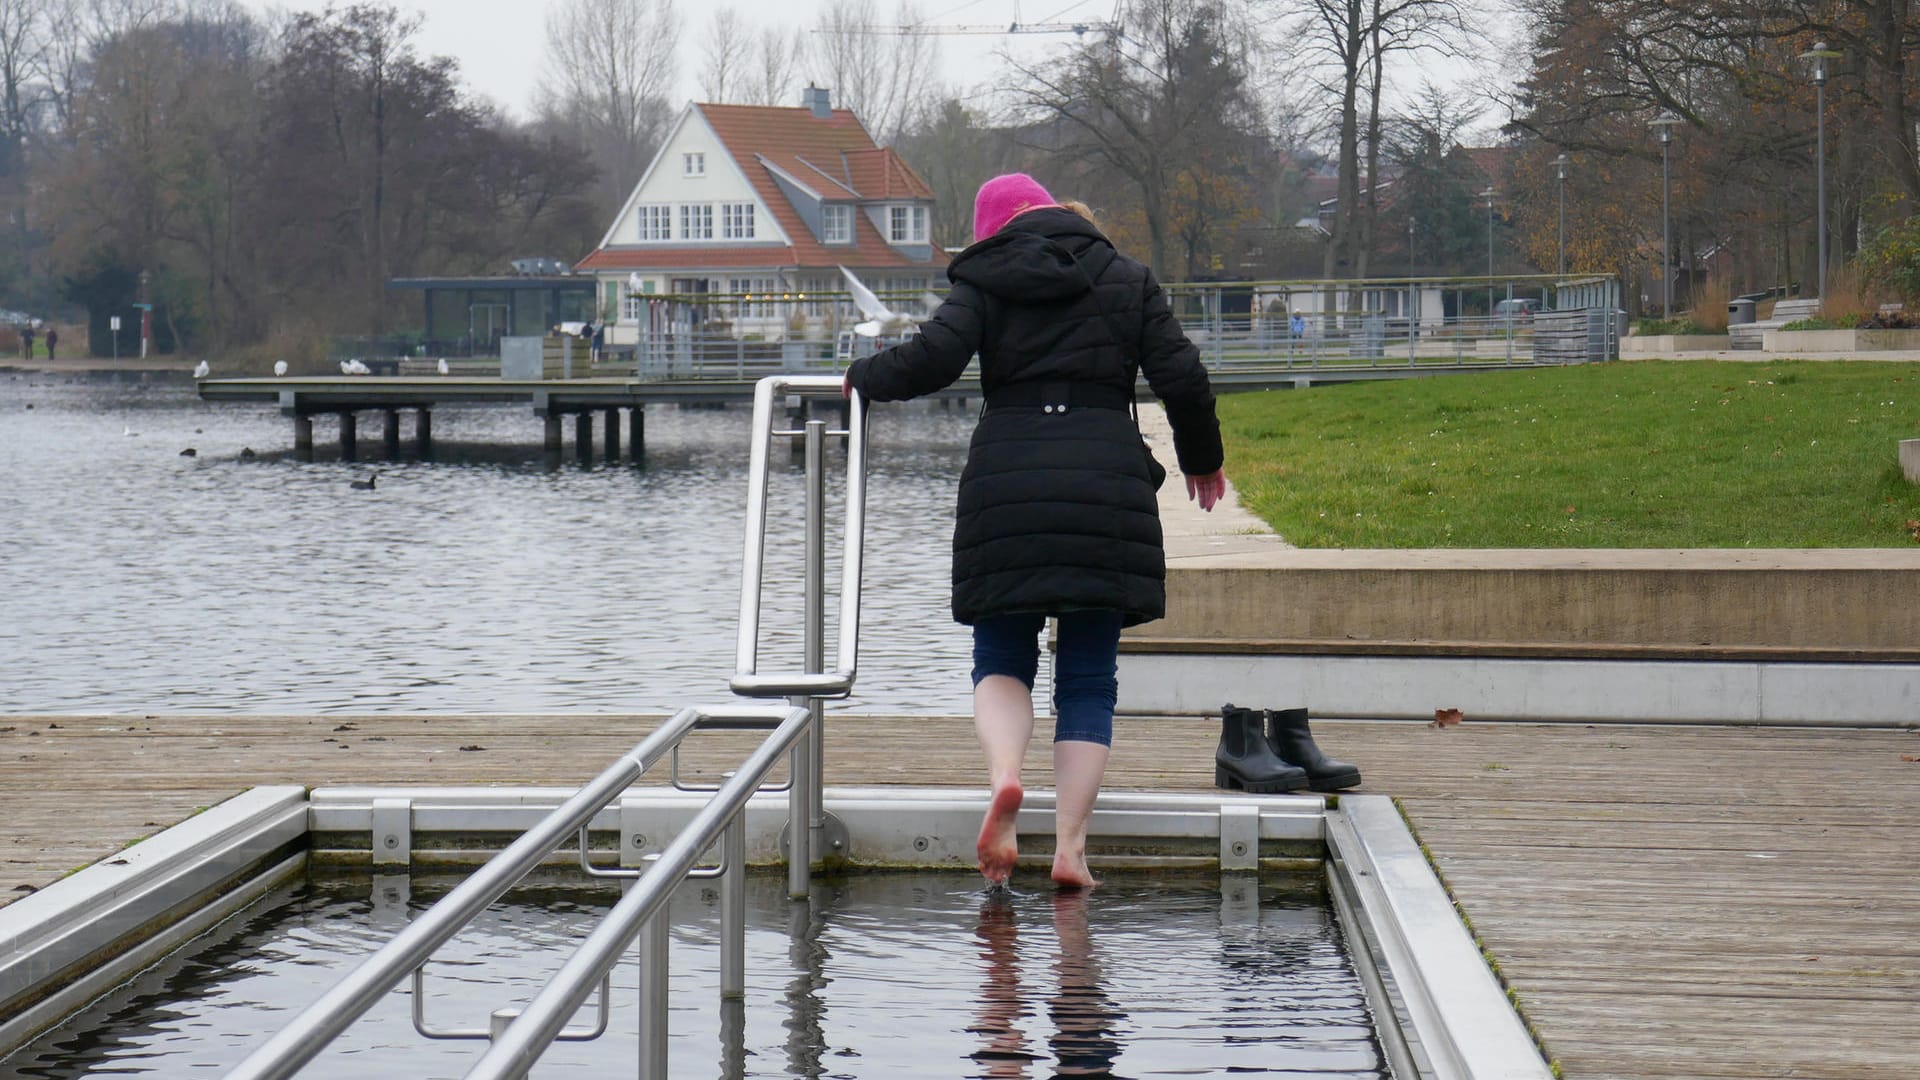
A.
x: 502, y: 44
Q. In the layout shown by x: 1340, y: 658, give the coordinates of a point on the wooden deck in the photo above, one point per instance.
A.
x: 1674, y: 902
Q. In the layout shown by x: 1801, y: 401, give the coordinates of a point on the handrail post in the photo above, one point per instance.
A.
x: 816, y: 614
x: 654, y: 941
x: 733, y: 910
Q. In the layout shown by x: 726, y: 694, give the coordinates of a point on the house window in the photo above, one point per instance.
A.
x: 736, y: 221
x: 656, y: 222
x: 907, y: 224
x: 836, y: 224
x: 693, y: 164
x: 754, y: 297
x: 696, y: 221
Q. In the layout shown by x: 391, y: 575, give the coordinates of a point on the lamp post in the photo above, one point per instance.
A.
x: 1664, y: 123
x: 1488, y: 195
x: 1560, y: 172
x: 1818, y: 57
x: 1412, y: 288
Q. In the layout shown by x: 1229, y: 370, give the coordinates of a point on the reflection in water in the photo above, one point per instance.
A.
x: 1086, y: 1023
x: 1003, y: 1008
x: 876, y: 976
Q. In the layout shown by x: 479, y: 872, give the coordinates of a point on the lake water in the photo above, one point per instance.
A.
x: 136, y: 580
x: 887, y: 975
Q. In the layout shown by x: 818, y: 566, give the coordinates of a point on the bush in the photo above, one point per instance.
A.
x: 1849, y: 321
x: 1892, y: 259
x: 1710, y: 306
x: 1665, y: 327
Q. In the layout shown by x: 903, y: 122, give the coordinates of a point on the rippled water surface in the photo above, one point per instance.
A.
x: 133, y: 579
x: 917, y: 975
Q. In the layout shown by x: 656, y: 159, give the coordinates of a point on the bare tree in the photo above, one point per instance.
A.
x: 885, y: 74
x: 726, y: 52
x: 1163, y: 103
x: 611, y: 66
x: 780, y: 52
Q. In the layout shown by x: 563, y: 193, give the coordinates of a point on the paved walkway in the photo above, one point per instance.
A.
x: 1227, y: 529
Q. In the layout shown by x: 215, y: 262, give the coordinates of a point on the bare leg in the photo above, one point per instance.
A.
x: 1078, y: 767
x: 1003, y: 718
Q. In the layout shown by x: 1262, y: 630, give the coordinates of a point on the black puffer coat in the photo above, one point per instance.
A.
x: 1056, y: 510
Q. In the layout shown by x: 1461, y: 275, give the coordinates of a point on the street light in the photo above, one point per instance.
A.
x: 1488, y: 195
x: 1560, y: 170
x: 1818, y: 56
x: 1664, y: 123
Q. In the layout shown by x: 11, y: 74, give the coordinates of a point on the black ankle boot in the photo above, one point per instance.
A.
x: 1244, y: 761
x: 1292, y: 743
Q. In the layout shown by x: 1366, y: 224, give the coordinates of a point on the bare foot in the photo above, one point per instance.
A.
x: 999, y: 843
x: 1070, y: 871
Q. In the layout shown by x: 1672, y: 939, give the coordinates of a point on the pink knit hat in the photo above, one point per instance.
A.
x: 1004, y: 198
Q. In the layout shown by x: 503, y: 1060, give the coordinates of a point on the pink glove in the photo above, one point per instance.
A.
x: 1208, y: 489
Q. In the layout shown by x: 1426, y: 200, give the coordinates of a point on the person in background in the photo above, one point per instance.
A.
x: 53, y: 341
x: 1057, y: 512
x: 597, y: 340
x: 26, y: 341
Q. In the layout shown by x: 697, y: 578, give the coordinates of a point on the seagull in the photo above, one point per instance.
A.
x: 443, y: 365
x: 365, y: 485
x: 201, y: 369
x: 279, y: 367
x: 880, y: 318
x: 354, y: 367
x: 633, y: 282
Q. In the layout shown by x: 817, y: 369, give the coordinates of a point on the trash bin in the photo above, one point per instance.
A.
x: 1739, y: 312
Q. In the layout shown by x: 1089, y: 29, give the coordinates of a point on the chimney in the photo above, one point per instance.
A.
x: 819, y: 100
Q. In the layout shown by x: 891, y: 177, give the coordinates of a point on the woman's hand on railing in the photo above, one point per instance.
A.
x: 1208, y: 489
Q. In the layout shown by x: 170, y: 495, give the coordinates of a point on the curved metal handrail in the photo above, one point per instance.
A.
x: 749, y: 681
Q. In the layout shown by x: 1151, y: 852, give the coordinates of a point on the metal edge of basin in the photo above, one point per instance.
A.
x: 74, y: 940
x: 1438, y: 1009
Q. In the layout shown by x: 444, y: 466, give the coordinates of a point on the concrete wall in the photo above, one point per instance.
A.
x: 1866, y: 599
x: 1839, y: 340
x: 1669, y: 344
x: 1822, y: 636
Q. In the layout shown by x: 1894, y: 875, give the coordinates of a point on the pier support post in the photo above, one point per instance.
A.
x: 613, y: 435
x: 423, y: 430
x: 553, y: 433
x: 391, y: 436
x: 303, y: 437
x: 638, y: 437
x: 583, y: 435
x: 349, y: 434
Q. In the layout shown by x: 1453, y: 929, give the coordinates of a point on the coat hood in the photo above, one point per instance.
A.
x: 1032, y: 259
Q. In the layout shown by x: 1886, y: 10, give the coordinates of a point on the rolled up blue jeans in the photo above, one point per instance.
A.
x: 1084, y: 683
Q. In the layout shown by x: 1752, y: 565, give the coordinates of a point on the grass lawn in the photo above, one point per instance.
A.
x: 1656, y: 453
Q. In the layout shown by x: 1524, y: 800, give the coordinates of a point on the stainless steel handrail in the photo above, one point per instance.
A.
x: 749, y: 681
x: 519, y: 1038
x: 520, y: 1046
x: 285, y: 1051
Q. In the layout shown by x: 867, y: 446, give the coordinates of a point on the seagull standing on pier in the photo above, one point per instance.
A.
x: 279, y: 367
x: 880, y: 318
x: 201, y: 370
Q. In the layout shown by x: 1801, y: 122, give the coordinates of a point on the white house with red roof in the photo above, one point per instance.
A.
x: 746, y: 215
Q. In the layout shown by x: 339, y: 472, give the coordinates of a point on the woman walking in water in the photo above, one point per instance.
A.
x: 1057, y: 511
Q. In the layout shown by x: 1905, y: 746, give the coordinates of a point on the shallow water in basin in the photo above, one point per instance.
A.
x: 898, y: 975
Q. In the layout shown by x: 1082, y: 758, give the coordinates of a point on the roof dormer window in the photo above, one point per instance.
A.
x: 836, y: 223
x: 907, y: 224
x: 693, y: 164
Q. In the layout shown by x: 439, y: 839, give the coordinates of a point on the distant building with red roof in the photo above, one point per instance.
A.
x: 766, y: 204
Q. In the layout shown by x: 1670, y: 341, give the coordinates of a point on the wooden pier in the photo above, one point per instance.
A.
x: 552, y: 400
x: 1664, y: 901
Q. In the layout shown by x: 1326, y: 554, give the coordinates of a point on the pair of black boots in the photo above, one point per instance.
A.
x: 1270, y: 752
